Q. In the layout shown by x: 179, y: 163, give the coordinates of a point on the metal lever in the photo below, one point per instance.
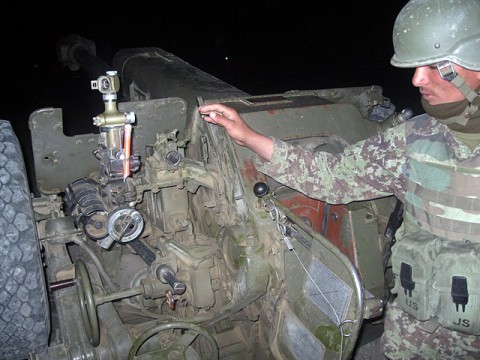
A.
x: 57, y: 285
x: 166, y: 274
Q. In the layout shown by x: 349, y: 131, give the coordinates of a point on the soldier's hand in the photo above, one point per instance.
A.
x: 238, y: 129
x: 227, y: 117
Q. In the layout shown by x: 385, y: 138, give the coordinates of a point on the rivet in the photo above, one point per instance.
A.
x: 437, y: 46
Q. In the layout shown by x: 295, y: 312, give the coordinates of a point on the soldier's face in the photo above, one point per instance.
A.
x: 436, y: 90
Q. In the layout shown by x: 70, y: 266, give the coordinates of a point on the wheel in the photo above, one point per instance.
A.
x: 24, y: 314
x: 177, y: 349
x: 86, y: 299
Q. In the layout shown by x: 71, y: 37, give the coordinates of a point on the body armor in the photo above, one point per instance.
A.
x: 436, y: 260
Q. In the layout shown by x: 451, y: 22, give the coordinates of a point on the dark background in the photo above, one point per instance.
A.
x: 259, y: 47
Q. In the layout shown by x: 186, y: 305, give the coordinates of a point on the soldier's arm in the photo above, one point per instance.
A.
x: 366, y: 170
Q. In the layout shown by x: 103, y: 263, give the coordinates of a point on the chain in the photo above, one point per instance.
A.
x: 279, y: 220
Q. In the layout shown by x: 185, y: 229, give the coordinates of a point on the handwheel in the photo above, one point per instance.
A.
x: 181, y: 346
x: 87, y: 303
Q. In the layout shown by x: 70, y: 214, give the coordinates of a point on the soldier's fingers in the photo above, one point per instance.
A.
x: 219, y: 108
x: 215, y: 118
x: 205, y: 109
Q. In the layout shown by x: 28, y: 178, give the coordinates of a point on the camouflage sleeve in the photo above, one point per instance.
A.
x: 366, y: 170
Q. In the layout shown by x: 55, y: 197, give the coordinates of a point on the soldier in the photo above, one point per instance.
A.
x: 431, y: 163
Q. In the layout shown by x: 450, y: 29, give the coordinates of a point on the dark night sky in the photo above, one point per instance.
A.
x: 271, y: 46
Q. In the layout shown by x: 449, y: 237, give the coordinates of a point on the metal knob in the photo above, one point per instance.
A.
x: 260, y: 189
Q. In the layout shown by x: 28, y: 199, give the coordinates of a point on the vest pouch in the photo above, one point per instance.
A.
x: 457, y: 282
x: 412, y: 261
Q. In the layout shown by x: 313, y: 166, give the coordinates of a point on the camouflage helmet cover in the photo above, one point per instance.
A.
x: 429, y: 31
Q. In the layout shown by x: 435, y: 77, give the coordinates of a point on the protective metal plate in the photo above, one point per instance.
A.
x: 299, y: 340
x: 329, y: 293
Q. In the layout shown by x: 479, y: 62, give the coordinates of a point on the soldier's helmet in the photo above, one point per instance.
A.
x: 429, y: 31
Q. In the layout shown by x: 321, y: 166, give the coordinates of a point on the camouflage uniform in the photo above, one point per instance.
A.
x: 384, y: 165
x: 408, y: 339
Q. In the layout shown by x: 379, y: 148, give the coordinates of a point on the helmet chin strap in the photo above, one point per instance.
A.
x: 448, y: 73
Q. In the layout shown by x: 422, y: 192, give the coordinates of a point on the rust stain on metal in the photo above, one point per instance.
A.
x: 250, y: 172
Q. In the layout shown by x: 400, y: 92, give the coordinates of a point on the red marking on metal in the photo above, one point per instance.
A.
x: 314, y: 212
x: 250, y: 172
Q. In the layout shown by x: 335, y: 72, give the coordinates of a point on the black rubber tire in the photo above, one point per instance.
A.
x: 24, y: 313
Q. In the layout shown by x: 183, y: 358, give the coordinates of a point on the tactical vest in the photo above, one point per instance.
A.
x: 436, y: 259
